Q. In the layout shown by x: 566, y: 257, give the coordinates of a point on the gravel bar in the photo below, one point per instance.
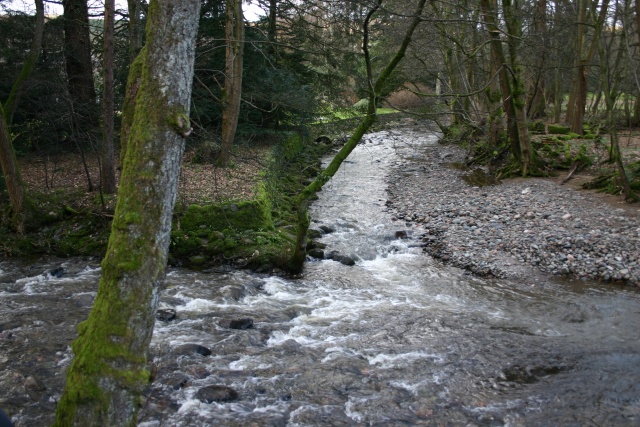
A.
x: 501, y: 230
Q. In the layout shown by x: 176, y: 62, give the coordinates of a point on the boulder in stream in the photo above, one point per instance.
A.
x: 217, y: 393
x: 342, y: 259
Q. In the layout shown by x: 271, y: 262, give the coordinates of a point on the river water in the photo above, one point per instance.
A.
x: 396, y: 340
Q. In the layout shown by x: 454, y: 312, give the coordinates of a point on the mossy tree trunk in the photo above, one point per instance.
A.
x: 108, y: 374
x: 303, y: 200
x: 129, y: 103
x: 234, y: 34
x: 511, y: 85
x: 511, y: 10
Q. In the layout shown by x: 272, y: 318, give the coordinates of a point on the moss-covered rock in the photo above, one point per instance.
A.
x: 558, y: 129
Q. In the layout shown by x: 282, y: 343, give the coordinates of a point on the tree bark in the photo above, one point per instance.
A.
x: 234, y: 31
x: 375, y: 88
x: 108, y: 165
x: 108, y: 373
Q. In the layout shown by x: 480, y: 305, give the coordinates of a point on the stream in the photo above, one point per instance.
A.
x: 396, y: 340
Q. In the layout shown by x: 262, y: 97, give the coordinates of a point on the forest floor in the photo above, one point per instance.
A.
x: 200, y: 182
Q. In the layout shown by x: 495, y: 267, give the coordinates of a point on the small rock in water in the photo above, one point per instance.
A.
x: 316, y: 253
x: 33, y: 384
x: 244, y: 323
x: 57, y: 272
x: 566, y: 216
x: 401, y: 234
x: 166, y: 314
x: 189, y: 349
x: 327, y: 229
x: 343, y: 259
x: 217, y: 393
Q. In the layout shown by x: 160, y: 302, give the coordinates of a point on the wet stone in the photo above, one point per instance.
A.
x: 316, y: 253
x: 217, y: 393
x: 342, y: 259
x: 327, y: 229
x: 177, y: 381
x: 314, y: 234
x: 57, y: 272
x: 244, y: 323
x: 189, y: 349
x: 166, y: 314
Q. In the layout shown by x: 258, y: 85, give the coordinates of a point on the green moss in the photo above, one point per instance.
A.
x: 245, y: 215
x: 558, y: 129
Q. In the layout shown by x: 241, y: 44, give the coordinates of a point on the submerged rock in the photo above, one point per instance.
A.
x: 189, y: 349
x: 217, y: 393
x: 244, y: 323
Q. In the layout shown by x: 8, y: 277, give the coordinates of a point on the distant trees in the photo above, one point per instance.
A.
x: 20, y: 204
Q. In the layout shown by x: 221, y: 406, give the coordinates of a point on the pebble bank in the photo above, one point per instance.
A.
x: 495, y: 230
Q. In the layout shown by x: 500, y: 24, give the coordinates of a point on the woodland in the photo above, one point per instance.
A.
x: 183, y: 133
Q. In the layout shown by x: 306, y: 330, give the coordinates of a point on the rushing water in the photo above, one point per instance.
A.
x: 397, y: 339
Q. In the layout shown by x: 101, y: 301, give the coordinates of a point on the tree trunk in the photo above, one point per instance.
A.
x: 135, y: 28
x: 497, y: 56
x: 514, y: 29
x: 231, y: 97
x: 303, y: 200
x: 537, y: 104
x: 77, y: 49
x: 27, y: 67
x: 578, y: 95
x: 108, y: 166
x: 108, y: 373
x: 12, y: 178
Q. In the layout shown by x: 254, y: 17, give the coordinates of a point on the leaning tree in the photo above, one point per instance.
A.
x: 108, y: 373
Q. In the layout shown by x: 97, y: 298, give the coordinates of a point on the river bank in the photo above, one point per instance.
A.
x: 515, y: 228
